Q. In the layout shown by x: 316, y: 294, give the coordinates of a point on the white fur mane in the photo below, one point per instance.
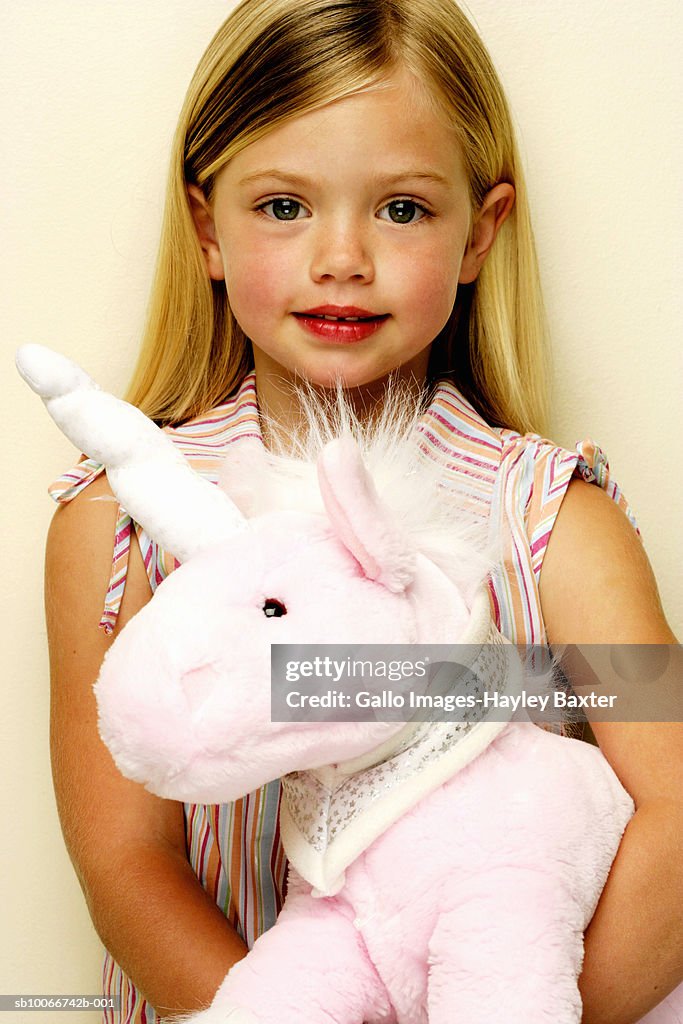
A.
x: 408, y: 481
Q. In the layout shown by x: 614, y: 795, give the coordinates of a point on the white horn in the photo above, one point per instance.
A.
x: 149, y: 476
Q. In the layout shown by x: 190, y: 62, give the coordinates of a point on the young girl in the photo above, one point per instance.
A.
x: 346, y: 201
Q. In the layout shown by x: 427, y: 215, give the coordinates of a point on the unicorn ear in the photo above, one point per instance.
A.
x: 361, y: 520
x: 148, y: 475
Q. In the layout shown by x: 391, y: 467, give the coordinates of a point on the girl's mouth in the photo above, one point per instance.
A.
x: 341, y: 323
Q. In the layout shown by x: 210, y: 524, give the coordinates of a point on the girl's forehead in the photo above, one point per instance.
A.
x: 394, y: 127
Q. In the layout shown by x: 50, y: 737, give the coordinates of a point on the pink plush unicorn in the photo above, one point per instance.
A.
x: 441, y: 871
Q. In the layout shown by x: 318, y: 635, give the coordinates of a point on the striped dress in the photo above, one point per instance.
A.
x: 512, y: 485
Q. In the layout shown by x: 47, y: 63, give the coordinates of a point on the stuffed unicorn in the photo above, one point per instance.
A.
x: 440, y: 871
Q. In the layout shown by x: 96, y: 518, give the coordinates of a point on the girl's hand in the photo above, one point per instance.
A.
x: 597, y: 587
x: 127, y: 846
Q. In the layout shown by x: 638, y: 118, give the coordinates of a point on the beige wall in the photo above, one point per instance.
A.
x: 90, y: 92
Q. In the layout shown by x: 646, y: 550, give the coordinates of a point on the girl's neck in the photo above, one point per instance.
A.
x: 280, y: 412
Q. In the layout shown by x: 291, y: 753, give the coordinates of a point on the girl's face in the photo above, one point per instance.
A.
x: 341, y: 237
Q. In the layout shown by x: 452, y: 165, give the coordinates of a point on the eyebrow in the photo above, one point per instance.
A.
x: 383, y: 179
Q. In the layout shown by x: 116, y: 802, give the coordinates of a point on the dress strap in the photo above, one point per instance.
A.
x: 71, y: 483
x: 64, y: 490
x: 593, y: 467
x: 119, y: 571
x: 532, y: 482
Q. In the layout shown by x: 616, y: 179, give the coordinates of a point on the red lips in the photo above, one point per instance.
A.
x: 341, y: 323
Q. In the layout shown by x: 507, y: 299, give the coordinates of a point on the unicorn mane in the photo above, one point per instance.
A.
x: 407, y: 479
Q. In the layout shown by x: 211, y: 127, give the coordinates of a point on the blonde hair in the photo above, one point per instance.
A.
x: 272, y: 60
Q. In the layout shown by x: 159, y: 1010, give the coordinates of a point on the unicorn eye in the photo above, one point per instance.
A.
x: 273, y: 609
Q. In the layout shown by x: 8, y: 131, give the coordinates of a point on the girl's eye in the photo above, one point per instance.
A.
x: 284, y: 209
x: 403, y: 211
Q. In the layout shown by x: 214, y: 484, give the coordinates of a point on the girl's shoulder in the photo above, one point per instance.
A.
x: 541, y: 471
x: 525, y: 474
x: 514, y: 485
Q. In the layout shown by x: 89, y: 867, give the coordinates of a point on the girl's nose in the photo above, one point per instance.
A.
x: 342, y: 253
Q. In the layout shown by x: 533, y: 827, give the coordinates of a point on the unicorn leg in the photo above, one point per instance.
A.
x: 512, y: 951
x: 312, y: 965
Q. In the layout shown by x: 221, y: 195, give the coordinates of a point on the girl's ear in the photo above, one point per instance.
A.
x: 206, y: 232
x: 493, y: 212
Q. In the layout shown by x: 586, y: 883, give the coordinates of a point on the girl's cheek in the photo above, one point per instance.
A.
x: 260, y: 283
x: 430, y: 282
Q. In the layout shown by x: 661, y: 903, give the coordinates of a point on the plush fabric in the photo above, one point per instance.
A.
x: 469, y: 858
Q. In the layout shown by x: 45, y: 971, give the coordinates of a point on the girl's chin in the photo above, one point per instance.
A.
x: 321, y: 373
x: 326, y: 370
x: 371, y: 380
x: 351, y: 379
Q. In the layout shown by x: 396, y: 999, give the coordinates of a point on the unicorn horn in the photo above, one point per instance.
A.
x: 149, y: 476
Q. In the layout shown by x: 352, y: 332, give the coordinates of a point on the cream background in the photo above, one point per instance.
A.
x: 90, y: 93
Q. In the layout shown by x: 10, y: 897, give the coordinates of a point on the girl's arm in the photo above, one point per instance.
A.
x: 127, y: 846
x: 597, y: 587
